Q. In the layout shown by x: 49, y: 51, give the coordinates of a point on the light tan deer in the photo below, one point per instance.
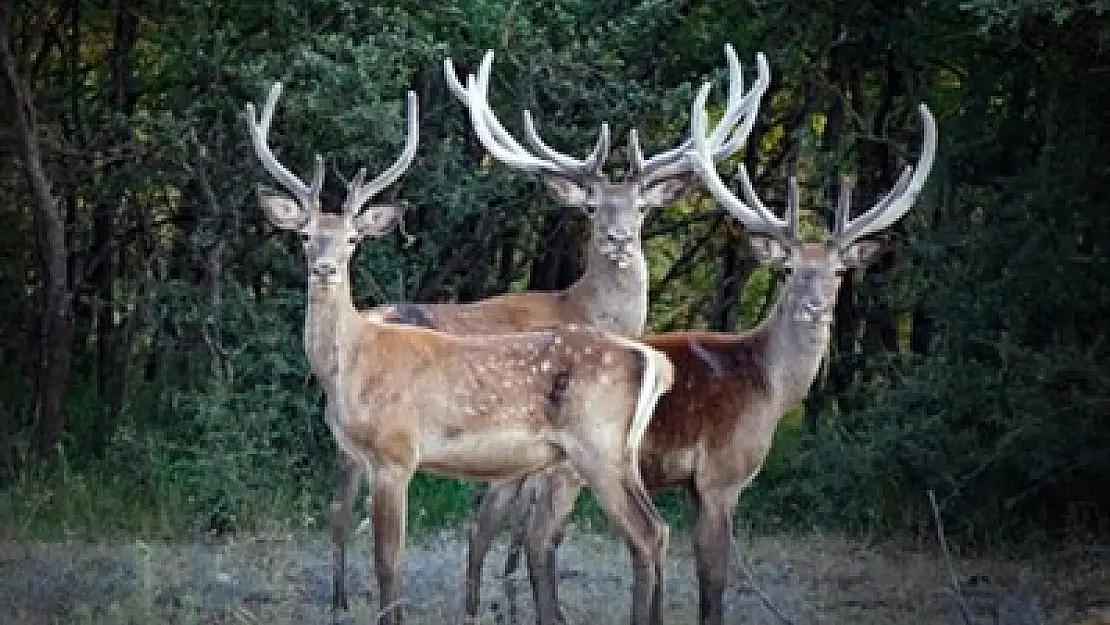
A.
x: 713, y: 431
x: 612, y: 292
x: 402, y: 399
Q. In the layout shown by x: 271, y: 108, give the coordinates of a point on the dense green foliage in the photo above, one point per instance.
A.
x: 971, y: 360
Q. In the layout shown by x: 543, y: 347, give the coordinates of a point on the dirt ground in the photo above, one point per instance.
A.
x: 282, y: 579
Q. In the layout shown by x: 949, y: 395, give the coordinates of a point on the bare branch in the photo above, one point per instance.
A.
x: 954, y: 578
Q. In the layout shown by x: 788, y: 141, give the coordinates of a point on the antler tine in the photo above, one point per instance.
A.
x: 793, y: 204
x: 361, y: 193
x: 493, y: 136
x: 259, y: 130
x: 502, y: 146
x: 591, y: 165
x: 756, y: 218
x: 636, y: 163
x: 843, y: 205
x: 493, y: 124
x: 357, y: 180
x: 895, y: 204
x: 658, y: 165
x: 453, y: 83
x: 727, y: 136
x: 747, y: 190
x: 600, y: 155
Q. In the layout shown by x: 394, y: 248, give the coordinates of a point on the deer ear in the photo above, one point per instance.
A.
x: 768, y: 249
x: 863, y: 252
x: 565, y: 190
x: 667, y: 190
x: 378, y: 220
x: 282, y: 211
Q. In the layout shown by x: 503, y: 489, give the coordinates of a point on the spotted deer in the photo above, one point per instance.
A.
x: 611, y: 294
x: 712, y: 432
x: 402, y: 399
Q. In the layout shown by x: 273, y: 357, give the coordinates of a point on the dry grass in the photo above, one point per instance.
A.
x: 283, y: 579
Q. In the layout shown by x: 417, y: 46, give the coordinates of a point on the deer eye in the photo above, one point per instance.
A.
x: 304, y: 236
x: 352, y: 240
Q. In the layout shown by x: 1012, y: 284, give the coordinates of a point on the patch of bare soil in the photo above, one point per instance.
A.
x: 816, y: 579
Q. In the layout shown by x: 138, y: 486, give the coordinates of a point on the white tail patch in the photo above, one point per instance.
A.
x: 657, y: 378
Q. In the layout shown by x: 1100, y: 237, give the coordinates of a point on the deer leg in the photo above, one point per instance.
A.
x: 649, y: 508
x: 492, y: 509
x: 390, y: 492
x: 545, y: 525
x: 712, y: 545
x: 342, y: 519
x: 622, y: 496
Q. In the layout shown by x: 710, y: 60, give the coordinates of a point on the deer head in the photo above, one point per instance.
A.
x: 616, y: 209
x: 329, y: 239
x: 813, y: 270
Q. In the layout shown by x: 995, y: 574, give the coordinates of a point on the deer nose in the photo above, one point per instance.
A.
x: 815, y: 307
x: 325, y: 270
x: 618, y: 235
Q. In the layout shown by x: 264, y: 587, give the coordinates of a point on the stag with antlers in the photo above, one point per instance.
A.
x: 402, y: 399
x: 712, y: 432
x: 612, y: 292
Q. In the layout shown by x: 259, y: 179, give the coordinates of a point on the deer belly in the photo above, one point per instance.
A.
x: 486, y: 455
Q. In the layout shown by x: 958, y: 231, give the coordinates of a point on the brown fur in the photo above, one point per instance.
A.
x: 693, y: 413
x: 713, y: 430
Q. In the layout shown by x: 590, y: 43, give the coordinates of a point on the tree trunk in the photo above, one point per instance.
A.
x: 56, y: 329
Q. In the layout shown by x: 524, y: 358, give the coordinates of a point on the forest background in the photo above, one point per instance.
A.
x: 152, y: 374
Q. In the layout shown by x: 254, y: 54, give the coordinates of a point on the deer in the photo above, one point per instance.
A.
x: 713, y: 431
x: 611, y: 293
x: 403, y: 398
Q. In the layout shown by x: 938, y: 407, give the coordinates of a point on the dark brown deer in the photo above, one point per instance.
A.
x: 402, y: 399
x: 713, y: 431
x: 612, y: 292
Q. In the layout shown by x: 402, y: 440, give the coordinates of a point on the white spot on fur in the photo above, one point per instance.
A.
x: 545, y: 366
x: 607, y: 358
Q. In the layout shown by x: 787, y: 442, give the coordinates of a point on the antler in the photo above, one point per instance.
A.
x: 750, y: 211
x: 499, y: 143
x: 357, y: 192
x: 897, y: 201
x: 755, y: 215
x: 726, y: 138
x: 308, y: 197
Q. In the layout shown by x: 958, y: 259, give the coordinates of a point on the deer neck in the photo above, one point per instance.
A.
x: 795, y: 351
x: 611, y: 297
x: 330, y: 317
